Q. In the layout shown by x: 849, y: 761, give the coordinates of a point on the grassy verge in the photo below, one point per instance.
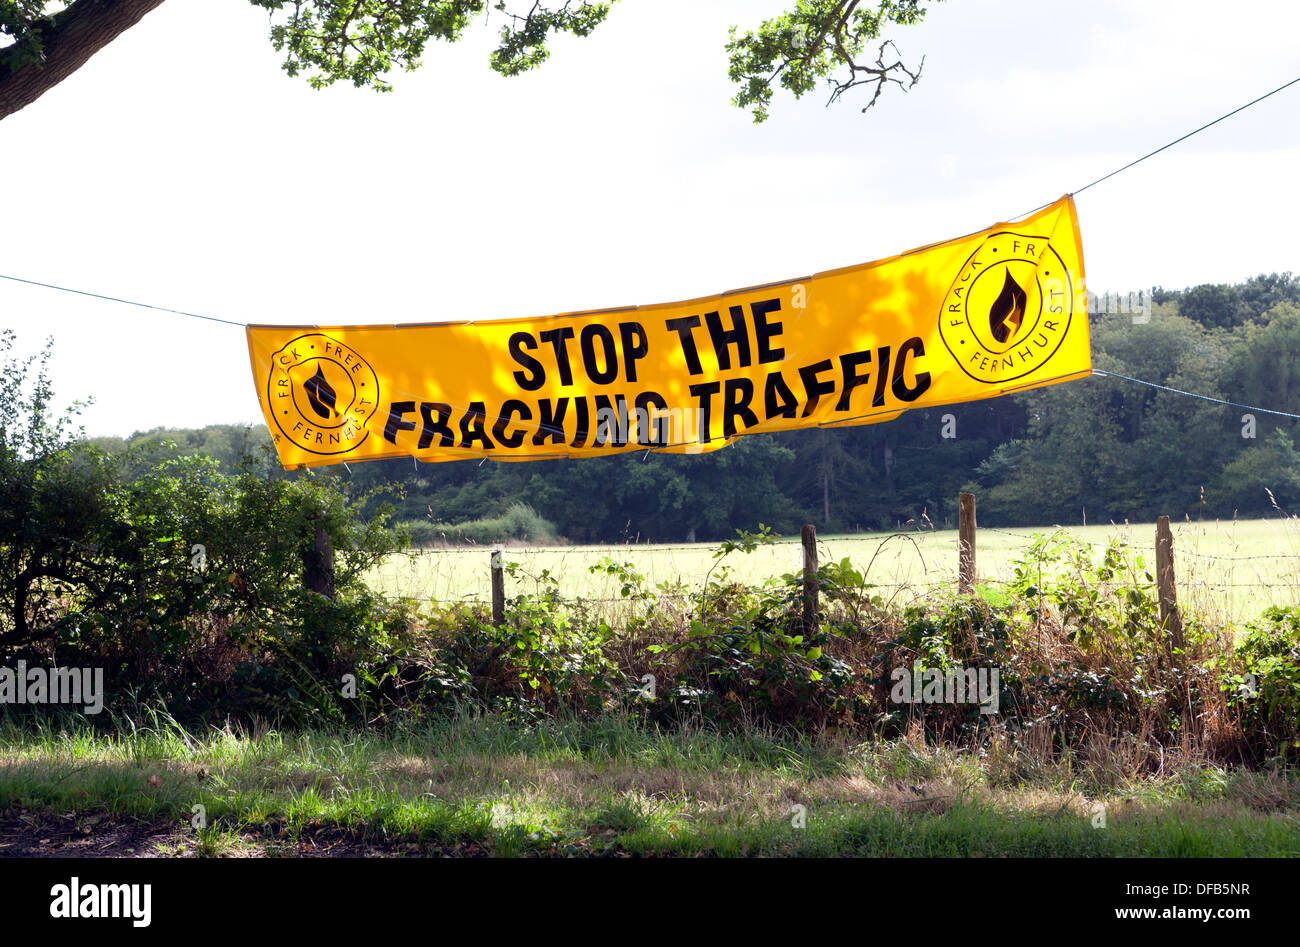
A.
x: 608, y: 786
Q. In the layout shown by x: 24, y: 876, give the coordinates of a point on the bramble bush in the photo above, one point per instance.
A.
x: 1264, y: 685
x: 1077, y: 642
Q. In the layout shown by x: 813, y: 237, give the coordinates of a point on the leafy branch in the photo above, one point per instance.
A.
x: 362, y: 41
x: 814, y: 42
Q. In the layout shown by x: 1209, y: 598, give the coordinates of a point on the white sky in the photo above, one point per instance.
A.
x: 182, y: 168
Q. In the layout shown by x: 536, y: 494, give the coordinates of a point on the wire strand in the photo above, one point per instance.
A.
x: 1149, y: 154
x: 1197, y: 131
x: 1192, y: 394
x: 115, y: 299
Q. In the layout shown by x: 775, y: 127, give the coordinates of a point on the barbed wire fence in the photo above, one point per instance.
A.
x: 925, y: 563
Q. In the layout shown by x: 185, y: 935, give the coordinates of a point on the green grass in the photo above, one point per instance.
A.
x: 1226, y: 569
x: 586, y: 787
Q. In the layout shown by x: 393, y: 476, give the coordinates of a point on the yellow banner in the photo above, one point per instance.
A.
x: 976, y: 317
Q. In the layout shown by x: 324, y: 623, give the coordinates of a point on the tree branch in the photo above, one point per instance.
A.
x: 880, y: 73
x: 66, y: 41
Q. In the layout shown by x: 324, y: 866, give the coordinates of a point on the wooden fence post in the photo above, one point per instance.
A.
x: 498, y: 589
x: 809, y: 537
x: 965, y: 542
x: 1170, y: 620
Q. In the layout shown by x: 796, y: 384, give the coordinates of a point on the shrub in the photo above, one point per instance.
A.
x: 748, y: 656
x: 1265, y: 684
x: 546, y: 657
x: 519, y: 522
x: 177, y: 580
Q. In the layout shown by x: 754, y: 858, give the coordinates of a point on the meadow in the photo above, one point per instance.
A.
x: 1229, y: 570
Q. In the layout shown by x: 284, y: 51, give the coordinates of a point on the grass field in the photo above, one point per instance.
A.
x: 1228, y: 569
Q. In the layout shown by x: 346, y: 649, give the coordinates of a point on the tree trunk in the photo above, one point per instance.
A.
x: 318, y: 562
x: 20, y: 632
x: 68, y: 40
x: 318, y: 577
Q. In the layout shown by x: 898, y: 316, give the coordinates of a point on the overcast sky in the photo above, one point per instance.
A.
x: 181, y: 167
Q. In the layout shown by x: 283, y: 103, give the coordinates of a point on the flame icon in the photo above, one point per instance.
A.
x: 320, y: 395
x: 1008, y: 310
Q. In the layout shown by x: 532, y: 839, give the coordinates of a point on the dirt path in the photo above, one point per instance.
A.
x: 29, y: 834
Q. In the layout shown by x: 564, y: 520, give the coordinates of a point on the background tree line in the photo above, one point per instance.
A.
x: 1100, y: 449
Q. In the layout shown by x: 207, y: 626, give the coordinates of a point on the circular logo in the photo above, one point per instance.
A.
x: 1009, y: 308
x: 321, y: 394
